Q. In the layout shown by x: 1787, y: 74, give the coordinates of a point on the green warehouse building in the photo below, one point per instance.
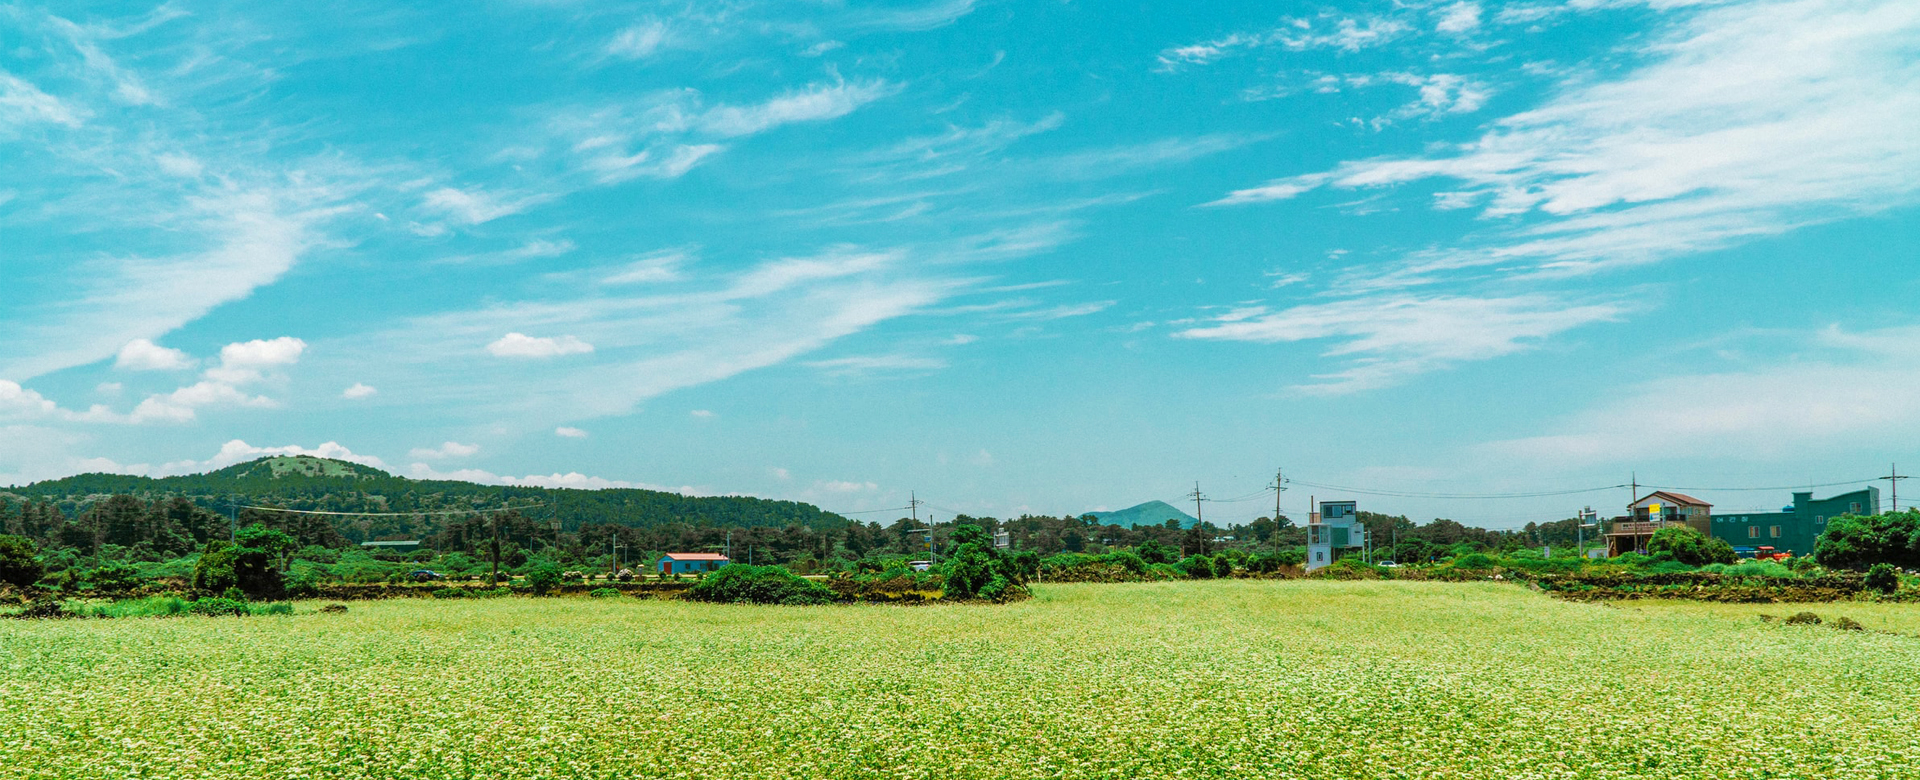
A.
x: 1794, y: 528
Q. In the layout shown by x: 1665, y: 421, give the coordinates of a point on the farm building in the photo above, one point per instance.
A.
x: 1334, y: 528
x: 1657, y: 510
x: 688, y: 563
x: 1793, y: 529
x: 1796, y: 526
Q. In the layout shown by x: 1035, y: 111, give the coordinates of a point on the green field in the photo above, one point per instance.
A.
x: 1280, y: 679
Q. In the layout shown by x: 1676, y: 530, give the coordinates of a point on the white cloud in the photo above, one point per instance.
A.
x: 639, y: 41
x: 178, y: 164
x: 474, y: 207
x: 571, y: 433
x: 1746, y: 120
x: 520, y: 345
x: 572, y: 480
x: 1390, y: 338
x: 358, y: 391
x: 933, y: 15
x: 1346, y: 34
x: 843, y: 486
x: 959, y: 339
x: 109, y: 388
x: 660, y: 266
x: 181, y: 405
x: 814, y: 103
x: 1856, y: 389
x: 701, y: 414
x: 782, y: 474
x: 452, y: 449
x: 22, y: 102
x: 262, y: 353
x: 260, y: 234
x: 865, y: 365
x: 238, y: 451
x: 144, y: 355
x: 1459, y: 18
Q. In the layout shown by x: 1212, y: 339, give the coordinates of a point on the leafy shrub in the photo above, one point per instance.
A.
x: 742, y: 584
x: 1222, y: 566
x: 333, y: 609
x: 491, y: 593
x: 152, y: 606
x: 276, y: 608
x: 1804, y: 619
x: 19, y: 561
x: 543, y: 578
x: 1844, y: 623
x: 1854, y: 542
x: 978, y: 570
x: 1155, y: 551
x: 450, y: 593
x: 1883, y: 578
x: 1474, y: 562
x: 603, y: 593
x: 44, y: 609
x: 215, y: 606
x: 1690, y: 547
x: 1750, y: 569
x: 1199, y: 567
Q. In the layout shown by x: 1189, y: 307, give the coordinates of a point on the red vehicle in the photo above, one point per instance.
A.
x: 1769, y: 554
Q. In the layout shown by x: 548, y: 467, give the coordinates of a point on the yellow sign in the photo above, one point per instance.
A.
x: 1654, y: 508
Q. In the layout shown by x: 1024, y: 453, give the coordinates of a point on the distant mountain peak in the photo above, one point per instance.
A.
x: 1150, y: 513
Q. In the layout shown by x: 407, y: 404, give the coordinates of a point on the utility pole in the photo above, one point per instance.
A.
x: 1893, y: 478
x: 1197, y: 496
x: 495, y: 546
x: 913, y: 505
x: 1279, y: 489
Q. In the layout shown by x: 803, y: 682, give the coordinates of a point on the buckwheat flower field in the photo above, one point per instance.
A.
x: 1227, y: 679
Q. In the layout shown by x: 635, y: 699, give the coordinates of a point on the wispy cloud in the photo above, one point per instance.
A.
x: 452, y: 449
x: 1388, y: 339
x: 813, y: 103
x: 520, y: 345
x: 869, y: 365
x: 1344, y: 33
x: 1748, y: 120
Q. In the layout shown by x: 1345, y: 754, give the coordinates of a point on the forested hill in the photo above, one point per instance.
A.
x: 304, y: 482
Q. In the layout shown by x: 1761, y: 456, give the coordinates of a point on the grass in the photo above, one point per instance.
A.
x: 1296, y: 679
x: 1874, y: 616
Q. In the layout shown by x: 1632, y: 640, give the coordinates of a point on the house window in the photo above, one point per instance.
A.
x: 1753, y: 532
x: 1773, y: 531
x: 1854, y: 508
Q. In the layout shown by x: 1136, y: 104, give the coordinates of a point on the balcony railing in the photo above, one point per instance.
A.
x: 1638, y: 527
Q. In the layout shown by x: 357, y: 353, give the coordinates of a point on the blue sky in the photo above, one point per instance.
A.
x: 1041, y: 257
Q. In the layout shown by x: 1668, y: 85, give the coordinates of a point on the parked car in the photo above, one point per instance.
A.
x: 919, y: 565
x: 425, y: 575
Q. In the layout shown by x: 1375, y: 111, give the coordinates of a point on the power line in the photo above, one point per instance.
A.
x: 1489, y: 496
x: 388, y: 514
x: 1778, y: 487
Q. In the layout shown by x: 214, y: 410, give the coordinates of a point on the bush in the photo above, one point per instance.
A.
x: 153, y: 606
x: 276, y: 608
x: 1222, y: 566
x: 1854, y: 542
x: 1690, y: 547
x: 604, y: 593
x: 333, y: 609
x: 450, y: 593
x: 1199, y: 567
x: 1883, y: 578
x: 19, y: 561
x: 978, y: 570
x: 44, y: 609
x: 220, y: 606
x: 1804, y: 619
x: 1844, y: 623
x: 492, y: 593
x: 1154, y: 551
x: 114, y: 578
x: 742, y: 584
x: 543, y: 578
x: 1474, y: 562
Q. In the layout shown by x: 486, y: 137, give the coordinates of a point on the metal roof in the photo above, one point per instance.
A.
x: 696, y: 556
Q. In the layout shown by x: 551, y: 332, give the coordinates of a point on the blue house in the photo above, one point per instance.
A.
x: 689, y: 563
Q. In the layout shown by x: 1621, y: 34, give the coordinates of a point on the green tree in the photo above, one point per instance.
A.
x: 19, y: 561
x: 1691, y: 547
x: 1883, y: 578
x: 978, y: 570
x: 1857, y: 542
